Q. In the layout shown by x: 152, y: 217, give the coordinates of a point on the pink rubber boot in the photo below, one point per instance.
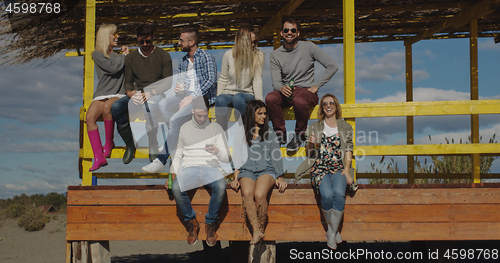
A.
x: 95, y: 142
x: 109, y: 129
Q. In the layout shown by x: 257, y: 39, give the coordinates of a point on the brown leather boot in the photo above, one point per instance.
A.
x: 193, y: 227
x: 211, y: 235
x: 257, y: 231
x: 262, y: 217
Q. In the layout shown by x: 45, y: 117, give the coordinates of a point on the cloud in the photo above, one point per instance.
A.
x: 425, y: 94
x: 35, y: 187
x: 486, y: 134
x: 420, y: 74
x: 12, y: 132
x: 488, y: 44
x: 6, y: 169
x: 384, y: 68
x: 31, y: 169
x: 39, y: 94
x: 39, y: 147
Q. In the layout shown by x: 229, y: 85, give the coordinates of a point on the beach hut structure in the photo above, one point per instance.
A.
x: 449, y: 212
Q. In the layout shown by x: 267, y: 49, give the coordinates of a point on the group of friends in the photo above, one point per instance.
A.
x: 140, y: 80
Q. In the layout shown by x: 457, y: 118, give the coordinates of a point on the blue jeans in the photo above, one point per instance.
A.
x: 174, y: 118
x: 120, y: 111
x: 238, y: 102
x: 332, y: 190
x: 218, y: 191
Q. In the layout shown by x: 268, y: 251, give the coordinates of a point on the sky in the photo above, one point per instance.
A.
x: 39, y: 108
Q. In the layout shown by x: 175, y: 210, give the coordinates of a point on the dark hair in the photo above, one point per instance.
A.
x: 249, y: 121
x: 321, y: 111
x: 145, y: 30
x: 194, y: 32
x: 200, y: 103
x: 291, y: 20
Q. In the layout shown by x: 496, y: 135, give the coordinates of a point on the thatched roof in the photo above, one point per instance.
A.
x: 41, y: 36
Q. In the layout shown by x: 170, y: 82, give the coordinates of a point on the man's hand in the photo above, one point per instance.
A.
x: 178, y: 88
x: 212, y: 149
x: 125, y: 50
x: 137, y: 98
x: 287, y: 91
x: 186, y: 101
x: 313, y: 89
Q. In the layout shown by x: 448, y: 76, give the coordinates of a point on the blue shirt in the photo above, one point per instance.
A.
x: 206, y: 74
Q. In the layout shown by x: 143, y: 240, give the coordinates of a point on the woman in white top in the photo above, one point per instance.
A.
x: 240, y: 79
x: 109, y: 69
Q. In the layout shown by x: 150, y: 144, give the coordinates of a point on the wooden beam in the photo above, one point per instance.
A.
x: 424, y: 108
x: 176, y: 2
x: 349, y: 63
x: 410, y: 159
x: 275, y: 20
x: 476, y: 11
x: 474, y: 95
x: 427, y: 149
x: 88, y: 83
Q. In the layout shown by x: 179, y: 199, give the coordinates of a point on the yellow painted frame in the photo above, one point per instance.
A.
x: 474, y: 107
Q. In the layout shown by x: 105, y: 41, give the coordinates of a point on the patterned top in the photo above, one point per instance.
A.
x: 329, y: 160
x: 206, y: 74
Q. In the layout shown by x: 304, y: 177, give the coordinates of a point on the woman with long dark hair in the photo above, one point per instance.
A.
x: 109, y: 69
x: 329, y: 148
x: 240, y: 79
x: 258, y: 166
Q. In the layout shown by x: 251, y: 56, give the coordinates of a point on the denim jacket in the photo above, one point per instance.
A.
x: 346, y: 134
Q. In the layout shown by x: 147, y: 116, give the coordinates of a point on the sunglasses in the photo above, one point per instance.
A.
x: 285, y: 30
x: 326, y: 103
x: 148, y: 42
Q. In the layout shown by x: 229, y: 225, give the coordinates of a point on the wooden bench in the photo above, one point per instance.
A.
x: 374, y: 212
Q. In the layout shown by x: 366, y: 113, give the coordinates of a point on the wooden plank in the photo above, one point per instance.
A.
x: 312, y: 231
x: 423, y: 108
x: 275, y: 20
x: 422, y: 213
x: 426, y: 196
x: 426, y: 149
x: 476, y: 11
x: 285, y: 214
x: 295, y: 196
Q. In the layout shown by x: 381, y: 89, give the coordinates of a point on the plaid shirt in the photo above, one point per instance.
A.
x: 205, y: 74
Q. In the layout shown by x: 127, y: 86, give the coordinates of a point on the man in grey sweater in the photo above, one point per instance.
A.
x: 294, y: 62
x: 143, y: 67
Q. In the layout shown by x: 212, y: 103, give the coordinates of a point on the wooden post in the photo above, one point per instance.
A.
x: 88, y: 85
x: 277, y: 37
x: 410, y: 159
x: 474, y: 95
x: 264, y: 252
x: 349, y: 64
x: 100, y: 252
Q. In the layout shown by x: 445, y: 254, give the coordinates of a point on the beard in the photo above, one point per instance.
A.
x: 186, y: 49
x: 290, y: 41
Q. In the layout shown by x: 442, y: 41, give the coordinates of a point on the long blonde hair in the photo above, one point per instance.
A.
x: 102, y: 38
x: 245, y: 57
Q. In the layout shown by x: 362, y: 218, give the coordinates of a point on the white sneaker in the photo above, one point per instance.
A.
x: 155, y: 167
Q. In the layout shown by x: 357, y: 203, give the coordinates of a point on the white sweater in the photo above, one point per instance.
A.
x: 191, y: 146
x: 250, y: 84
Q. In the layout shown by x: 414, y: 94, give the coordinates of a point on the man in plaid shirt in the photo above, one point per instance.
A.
x: 197, y: 77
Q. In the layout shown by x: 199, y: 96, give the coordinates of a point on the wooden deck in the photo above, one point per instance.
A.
x: 374, y: 212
